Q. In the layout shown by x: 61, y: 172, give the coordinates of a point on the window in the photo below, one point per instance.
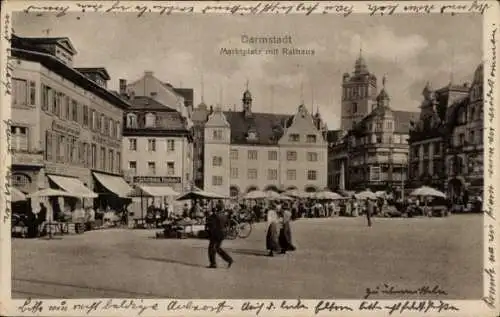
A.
x: 216, y: 180
x: 45, y: 97
x: 170, y: 145
x: 106, y: 126
x: 170, y: 168
x: 103, y: 122
x: 48, y: 145
x: 111, y: 160
x: 272, y: 174
x: 151, y: 145
x: 102, y: 158
x: 312, y: 156
x: 72, y: 150
x: 132, y: 144
x: 74, y: 110
x: 311, y: 138
x: 60, y: 148
x: 132, y: 166
x: 111, y: 127
x: 19, y: 138
x: 131, y: 120
x: 291, y: 156
x: 85, y: 154
x: 272, y: 155
x: 217, y: 161
x: 426, y: 149
x: 118, y: 130
x: 93, y: 120
x: 312, y: 175
x: 151, y: 168
x: 94, y: 155
x: 294, y: 137
x: 118, y: 162
x: 472, y: 137
x: 150, y: 120
x: 217, y: 134
x: 291, y: 175
x: 375, y: 174
x: 19, y: 92
x: 354, y: 107
x: 461, y: 139
x: 379, y: 138
x: 98, y: 122
x: 252, y: 173
x: 234, y: 172
x: 234, y: 154
x: 252, y: 154
x: 437, y: 148
x: 55, y: 103
x: 32, y: 98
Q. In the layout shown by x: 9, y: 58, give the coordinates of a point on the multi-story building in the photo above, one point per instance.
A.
x: 447, y: 140
x: 246, y: 150
x: 370, y: 150
x: 157, y: 145
x: 66, y: 126
x: 199, y: 117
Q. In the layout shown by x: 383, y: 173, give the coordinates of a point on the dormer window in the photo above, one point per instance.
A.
x: 150, y: 120
x: 294, y: 137
x: 217, y: 134
x: 311, y: 138
x: 252, y: 136
x: 131, y: 120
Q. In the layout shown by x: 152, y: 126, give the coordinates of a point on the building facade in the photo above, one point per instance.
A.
x: 157, y: 145
x: 66, y: 125
x: 246, y: 150
x: 199, y: 118
x: 447, y: 140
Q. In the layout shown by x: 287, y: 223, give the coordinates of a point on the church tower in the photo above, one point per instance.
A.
x: 359, y: 93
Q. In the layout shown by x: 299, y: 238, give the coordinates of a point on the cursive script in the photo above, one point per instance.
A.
x: 387, y: 289
x: 428, y: 306
x: 8, y: 173
x: 330, y: 307
x: 220, y: 307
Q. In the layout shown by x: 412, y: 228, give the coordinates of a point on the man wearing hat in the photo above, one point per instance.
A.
x: 216, y: 224
x: 369, y: 211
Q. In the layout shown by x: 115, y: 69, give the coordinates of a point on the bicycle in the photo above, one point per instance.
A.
x: 239, y: 226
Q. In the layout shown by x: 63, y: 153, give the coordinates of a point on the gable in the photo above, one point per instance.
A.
x: 65, y: 43
x: 302, y: 123
x: 217, y: 120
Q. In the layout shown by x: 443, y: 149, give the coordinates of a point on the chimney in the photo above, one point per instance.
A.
x: 123, y: 87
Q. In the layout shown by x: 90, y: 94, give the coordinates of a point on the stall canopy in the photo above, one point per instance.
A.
x: 114, y: 184
x: 154, y: 191
x: 73, y: 186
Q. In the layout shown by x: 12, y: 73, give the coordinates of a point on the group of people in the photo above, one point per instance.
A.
x: 278, y: 236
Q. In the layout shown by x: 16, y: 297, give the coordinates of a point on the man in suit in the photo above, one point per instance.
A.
x: 216, y: 224
x: 369, y: 211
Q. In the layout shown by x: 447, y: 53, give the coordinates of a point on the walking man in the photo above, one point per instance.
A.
x: 216, y: 224
x: 369, y: 211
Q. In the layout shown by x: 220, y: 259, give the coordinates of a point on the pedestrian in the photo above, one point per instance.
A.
x: 285, y: 234
x: 369, y: 211
x: 216, y: 224
x: 272, y: 235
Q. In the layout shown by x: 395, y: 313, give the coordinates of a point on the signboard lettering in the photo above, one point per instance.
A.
x: 157, y: 179
x: 101, y: 140
x: 26, y: 158
x: 63, y: 128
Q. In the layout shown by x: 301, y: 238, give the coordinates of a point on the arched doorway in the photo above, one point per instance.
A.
x: 234, y: 191
x: 271, y: 187
x: 456, y: 191
x: 291, y: 188
x: 310, y: 189
x: 21, y: 181
x: 252, y: 188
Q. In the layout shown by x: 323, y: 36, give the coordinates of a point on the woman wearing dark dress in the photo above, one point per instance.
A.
x: 285, y: 236
x: 272, y: 236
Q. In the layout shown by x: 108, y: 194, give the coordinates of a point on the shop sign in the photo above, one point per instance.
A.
x: 157, y: 179
x: 27, y: 159
x: 105, y: 141
x: 64, y: 128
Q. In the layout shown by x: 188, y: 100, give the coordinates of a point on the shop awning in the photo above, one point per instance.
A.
x: 114, y: 184
x: 154, y: 191
x: 73, y: 186
x: 16, y: 195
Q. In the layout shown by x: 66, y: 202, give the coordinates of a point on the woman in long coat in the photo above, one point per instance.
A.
x: 285, y: 235
x: 272, y: 241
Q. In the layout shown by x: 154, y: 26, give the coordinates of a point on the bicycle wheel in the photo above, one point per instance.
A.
x: 244, y: 230
x: 232, y: 230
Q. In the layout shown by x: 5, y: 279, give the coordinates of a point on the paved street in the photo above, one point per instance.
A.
x: 336, y: 258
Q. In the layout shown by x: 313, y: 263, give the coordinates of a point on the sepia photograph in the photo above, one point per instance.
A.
x: 247, y: 157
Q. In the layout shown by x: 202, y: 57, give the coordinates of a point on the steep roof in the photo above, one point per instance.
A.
x: 333, y: 136
x: 37, y: 41
x: 269, y: 126
x: 148, y: 103
x: 200, y: 115
x: 402, y: 119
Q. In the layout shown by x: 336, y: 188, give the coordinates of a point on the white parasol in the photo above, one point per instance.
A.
x: 427, y: 191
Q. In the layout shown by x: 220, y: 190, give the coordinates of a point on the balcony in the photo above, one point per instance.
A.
x: 28, y: 158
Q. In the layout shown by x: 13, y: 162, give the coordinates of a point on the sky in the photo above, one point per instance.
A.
x: 184, y: 50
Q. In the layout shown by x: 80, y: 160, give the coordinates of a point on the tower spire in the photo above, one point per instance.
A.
x: 384, y: 80
x: 246, y: 84
x: 302, y: 93
x: 202, y: 89
x: 312, y: 99
x: 452, y: 62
